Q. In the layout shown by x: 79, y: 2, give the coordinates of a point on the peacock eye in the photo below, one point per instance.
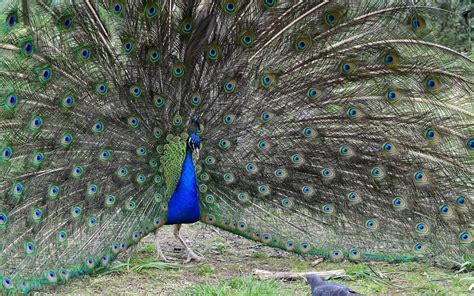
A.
x: 155, y: 56
x: 128, y: 47
x: 247, y: 39
x: 195, y: 99
x: 28, y: 47
x: 229, y: 86
x: 151, y: 11
x: 11, y: 20
x: 354, y: 113
x: 416, y: 23
x: 67, y: 23
x: 269, y: 3
x: 118, y: 8
x: 178, y: 71
x: 230, y: 7
x: 391, y: 95
x: 85, y: 53
x: 133, y: 122
x: 470, y: 144
x: 159, y: 100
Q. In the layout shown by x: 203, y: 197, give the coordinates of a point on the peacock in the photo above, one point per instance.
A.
x: 342, y: 129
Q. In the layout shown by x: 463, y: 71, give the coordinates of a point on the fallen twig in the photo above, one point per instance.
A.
x: 325, y: 275
x: 317, y: 261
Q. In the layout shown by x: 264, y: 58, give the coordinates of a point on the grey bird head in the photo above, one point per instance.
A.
x: 314, y: 280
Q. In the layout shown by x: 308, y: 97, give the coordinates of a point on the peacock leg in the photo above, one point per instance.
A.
x: 191, y: 255
x: 160, y: 254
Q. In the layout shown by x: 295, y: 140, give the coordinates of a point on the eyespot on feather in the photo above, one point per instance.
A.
x: 347, y: 68
x: 247, y: 39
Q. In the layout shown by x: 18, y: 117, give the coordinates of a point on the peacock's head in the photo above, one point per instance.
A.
x: 194, y: 143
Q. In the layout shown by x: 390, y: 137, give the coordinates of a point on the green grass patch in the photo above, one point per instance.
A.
x: 409, y: 278
x: 300, y: 265
x: 220, y: 248
x: 247, y: 286
x: 259, y: 255
x: 205, y: 270
x: 467, y: 265
x: 218, y: 245
x: 356, y: 269
x: 147, y: 249
x: 137, y: 265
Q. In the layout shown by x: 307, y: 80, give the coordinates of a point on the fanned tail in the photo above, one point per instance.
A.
x: 342, y: 129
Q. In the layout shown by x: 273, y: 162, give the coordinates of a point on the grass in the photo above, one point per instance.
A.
x: 228, y: 265
x: 205, y: 269
x: 300, y: 265
x: 148, y: 249
x: 260, y: 255
x: 137, y: 265
x: 247, y: 286
x: 409, y: 278
x: 218, y: 245
x: 220, y: 248
x: 467, y: 265
x: 233, y: 278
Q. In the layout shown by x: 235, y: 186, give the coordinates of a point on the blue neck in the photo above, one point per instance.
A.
x: 184, y: 203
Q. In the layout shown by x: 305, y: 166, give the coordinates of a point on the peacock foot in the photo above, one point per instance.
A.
x: 162, y: 257
x: 192, y: 256
x: 159, y: 251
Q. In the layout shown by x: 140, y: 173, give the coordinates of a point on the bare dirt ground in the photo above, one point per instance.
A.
x: 227, y: 270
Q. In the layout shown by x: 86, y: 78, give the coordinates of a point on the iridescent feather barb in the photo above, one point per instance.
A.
x: 340, y: 129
